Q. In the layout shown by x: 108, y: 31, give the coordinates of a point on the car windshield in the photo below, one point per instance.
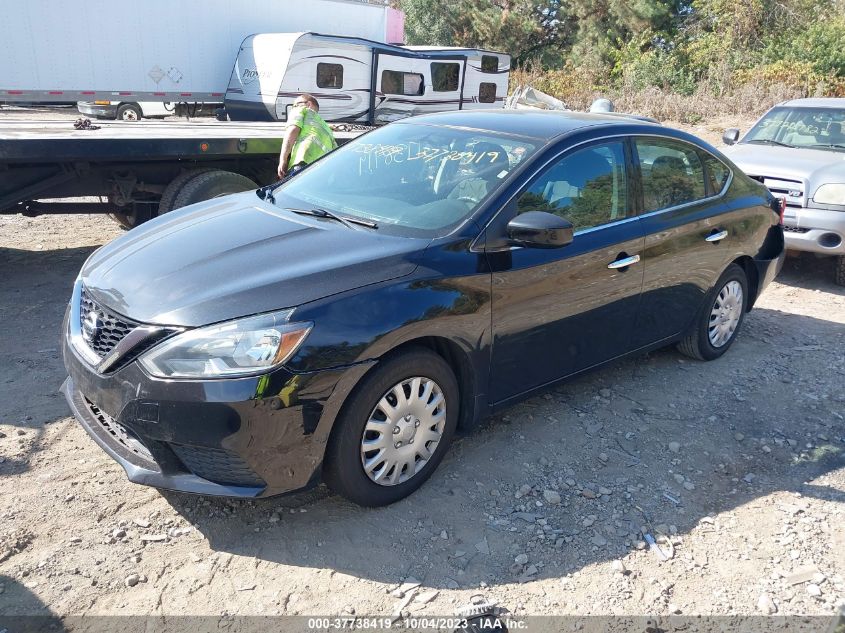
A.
x: 817, y: 128
x: 409, y: 179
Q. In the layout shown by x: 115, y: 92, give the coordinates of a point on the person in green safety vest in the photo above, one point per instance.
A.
x: 307, y: 137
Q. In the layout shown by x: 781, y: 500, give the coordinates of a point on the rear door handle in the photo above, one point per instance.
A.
x: 716, y: 237
x: 624, y: 262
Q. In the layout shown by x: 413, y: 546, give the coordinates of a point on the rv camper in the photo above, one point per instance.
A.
x: 358, y: 80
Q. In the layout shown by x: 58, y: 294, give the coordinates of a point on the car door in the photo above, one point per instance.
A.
x: 688, y: 236
x: 558, y: 311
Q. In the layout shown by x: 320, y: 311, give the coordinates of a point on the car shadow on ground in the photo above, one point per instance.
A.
x: 22, y: 611
x: 34, y: 289
x: 811, y: 272
x: 655, y: 445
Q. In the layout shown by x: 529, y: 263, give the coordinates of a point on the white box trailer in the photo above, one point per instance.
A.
x: 160, y: 50
x: 359, y: 80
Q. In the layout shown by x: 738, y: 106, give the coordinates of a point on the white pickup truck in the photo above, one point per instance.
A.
x: 797, y: 149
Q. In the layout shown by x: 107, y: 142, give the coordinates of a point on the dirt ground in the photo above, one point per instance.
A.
x: 735, y: 467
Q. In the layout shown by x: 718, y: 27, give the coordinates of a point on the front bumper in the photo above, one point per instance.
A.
x: 815, y: 230
x: 246, y: 437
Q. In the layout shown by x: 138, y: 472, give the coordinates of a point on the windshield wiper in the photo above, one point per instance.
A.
x: 828, y: 145
x: 343, y: 219
x: 768, y: 141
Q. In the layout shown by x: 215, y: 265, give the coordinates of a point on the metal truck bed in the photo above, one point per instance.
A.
x: 57, y: 141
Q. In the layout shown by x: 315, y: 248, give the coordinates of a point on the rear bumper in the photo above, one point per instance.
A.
x: 815, y: 230
x: 769, y: 261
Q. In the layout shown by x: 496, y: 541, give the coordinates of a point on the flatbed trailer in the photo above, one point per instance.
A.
x: 138, y: 170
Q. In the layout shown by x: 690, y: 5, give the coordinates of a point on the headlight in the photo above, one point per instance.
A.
x: 830, y: 194
x: 237, y: 348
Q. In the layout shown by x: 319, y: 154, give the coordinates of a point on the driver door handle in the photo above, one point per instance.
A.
x: 716, y: 237
x: 624, y: 262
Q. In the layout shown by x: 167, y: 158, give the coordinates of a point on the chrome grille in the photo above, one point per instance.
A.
x: 791, y: 190
x: 102, y: 329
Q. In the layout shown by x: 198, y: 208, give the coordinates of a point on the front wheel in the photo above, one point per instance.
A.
x: 718, y: 323
x: 394, y: 430
x: 839, y: 270
x: 128, y: 112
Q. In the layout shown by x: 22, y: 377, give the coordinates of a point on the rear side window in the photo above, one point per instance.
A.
x: 717, y: 173
x: 489, y: 64
x: 329, y: 75
x: 672, y: 174
x: 445, y: 77
x: 394, y: 82
x: 586, y: 187
x: 487, y: 92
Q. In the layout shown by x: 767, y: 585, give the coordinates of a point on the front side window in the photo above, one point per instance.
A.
x: 672, y: 174
x: 329, y: 75
x: 587, y: 187
x: 394, y: 82
x: 487, y: 92
x: 413, y: 180
x: 445, y: 77
x: 818, y: 128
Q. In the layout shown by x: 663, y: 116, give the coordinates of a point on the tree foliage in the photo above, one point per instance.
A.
x: 675, y: 45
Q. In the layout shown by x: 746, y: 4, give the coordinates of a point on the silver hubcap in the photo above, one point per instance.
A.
x: 403, y: 431
x: 725, y: 315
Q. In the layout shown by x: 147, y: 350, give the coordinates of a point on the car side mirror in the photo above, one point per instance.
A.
x: 730, y: 136
x: 540, y: 230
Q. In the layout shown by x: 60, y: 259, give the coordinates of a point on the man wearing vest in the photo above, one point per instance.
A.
x: 307, y: 137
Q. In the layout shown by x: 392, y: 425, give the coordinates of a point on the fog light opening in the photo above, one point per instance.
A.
x: 829, y: 240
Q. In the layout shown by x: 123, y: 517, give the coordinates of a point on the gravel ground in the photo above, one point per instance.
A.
x: 735, y: 467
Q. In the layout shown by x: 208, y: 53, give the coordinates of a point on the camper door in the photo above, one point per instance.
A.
x: 406, y: 86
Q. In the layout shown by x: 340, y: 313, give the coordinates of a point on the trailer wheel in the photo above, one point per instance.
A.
x: 174, y: 188
x: 128, y: 112
x: 212, y: 184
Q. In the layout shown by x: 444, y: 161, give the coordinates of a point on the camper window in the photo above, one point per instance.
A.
x: 329, y: 75
x: 489, y: 64
x: 394, y: 82
x: 445, y: 77
x: 487, y: 92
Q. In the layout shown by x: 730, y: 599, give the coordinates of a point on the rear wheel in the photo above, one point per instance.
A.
x: 395, y: 429
x: 128, y: 112
x: 174, y: 188
x: 211, y: 184
x: 720, y: 318
x: 839, y: 270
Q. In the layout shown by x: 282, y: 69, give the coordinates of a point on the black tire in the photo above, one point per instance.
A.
x: 174, y: 188
x: 211, y: 184
x: 839, y: 270
x: 343, y: 470
x: 128, y: 112
x: 696, y: 344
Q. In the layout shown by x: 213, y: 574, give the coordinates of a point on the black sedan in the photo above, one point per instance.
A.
x: 343, y: 324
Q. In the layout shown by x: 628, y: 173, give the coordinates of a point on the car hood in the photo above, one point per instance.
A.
x: 784, y: 162
x: 237, y: 256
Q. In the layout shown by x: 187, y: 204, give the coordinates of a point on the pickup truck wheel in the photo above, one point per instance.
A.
x: 174, y: 188
x: 394, y: 429
x: 211, y: 184
x: 839, y: 270
x: 720, y: 317
x: 128, y: 112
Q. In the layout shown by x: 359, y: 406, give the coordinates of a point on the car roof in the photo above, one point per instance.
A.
x: 825, y: 102
x: 532, y: 123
